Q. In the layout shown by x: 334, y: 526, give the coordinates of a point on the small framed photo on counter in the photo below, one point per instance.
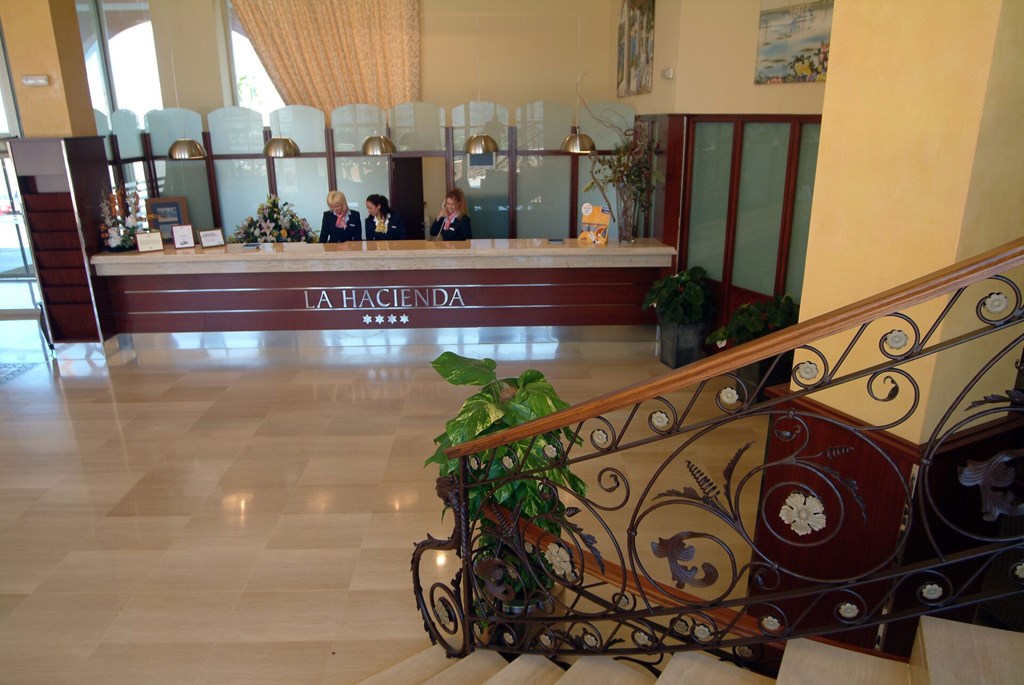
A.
x: 211, y: 238
x: 183, y: 236
x: 149, y: 242
x: 166, y: 213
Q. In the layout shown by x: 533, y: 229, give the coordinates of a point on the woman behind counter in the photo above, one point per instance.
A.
x: 340, y: 223
x: 381, y: 224
x: 452, y: 222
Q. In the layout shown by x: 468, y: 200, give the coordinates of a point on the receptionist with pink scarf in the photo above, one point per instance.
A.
x: 340, y: 223
x: 452, y: 222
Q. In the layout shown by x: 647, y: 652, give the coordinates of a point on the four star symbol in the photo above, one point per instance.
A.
x: 370, y: 319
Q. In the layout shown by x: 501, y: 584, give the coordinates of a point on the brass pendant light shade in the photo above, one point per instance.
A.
x: 281, y: 147
x: 375, y: 146
x: 480, y: 144
x: 578, y: 144
x: 186, y: 148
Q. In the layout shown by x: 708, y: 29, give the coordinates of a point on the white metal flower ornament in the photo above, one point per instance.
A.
x: 997, y: 303
x: 728, y: 395
x: 803, y: 513
x: 561, y: 563
x: 897, y: 339
x: 807, y: 371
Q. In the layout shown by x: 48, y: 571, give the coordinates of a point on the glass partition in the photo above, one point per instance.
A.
x: 605, y: 122
x: 417, y: 127
x: 542, y: 196
x: 475, y: 118
x: 103, y: 129
x: 352, y: 124
x: 124, y: 123
x: 241, y: 183
x: 759, y: 209
x: 542, y: 125
x: 359, y: 176
x: 484, y: 178
x: 709, y: 204
x: 302, y: 181
x: 808, y: 155
x: 179, y: 178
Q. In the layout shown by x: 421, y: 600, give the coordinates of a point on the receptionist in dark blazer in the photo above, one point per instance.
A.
x: 452, y: 222
x: 381, y: 222
x: 340, y: 223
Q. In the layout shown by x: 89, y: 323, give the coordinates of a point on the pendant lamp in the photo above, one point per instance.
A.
x: 281, y: 146
x: 375, y: 146
x: 578, y: 143
x: 186, y: 148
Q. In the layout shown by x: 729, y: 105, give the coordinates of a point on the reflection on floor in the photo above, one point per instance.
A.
x: 221, y: 516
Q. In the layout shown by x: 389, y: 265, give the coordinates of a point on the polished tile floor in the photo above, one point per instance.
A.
x: 236, y: 515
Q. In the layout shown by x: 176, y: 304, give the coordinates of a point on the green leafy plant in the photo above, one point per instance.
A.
x: 629, y: 168
x: 684, y: 297
x: 521, y: 469
x: 751, y: 320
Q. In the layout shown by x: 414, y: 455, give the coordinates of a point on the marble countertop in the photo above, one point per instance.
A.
x: 404, y: 255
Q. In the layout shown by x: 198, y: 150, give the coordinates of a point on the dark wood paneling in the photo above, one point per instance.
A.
x: 48, y: 202
x: 53, y: 221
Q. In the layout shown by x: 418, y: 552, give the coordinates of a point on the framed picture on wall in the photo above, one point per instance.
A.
x: 166, y: 212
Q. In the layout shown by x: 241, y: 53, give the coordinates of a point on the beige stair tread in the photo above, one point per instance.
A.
x: 698, y: 667
x: 528, y: 668
x: 415, y: 669
x: 471, y: 670
x: 807, y: 662
x: 591, y: 670
x: 953, y: 652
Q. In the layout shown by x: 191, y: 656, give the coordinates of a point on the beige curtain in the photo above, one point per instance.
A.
x: 329, y: 53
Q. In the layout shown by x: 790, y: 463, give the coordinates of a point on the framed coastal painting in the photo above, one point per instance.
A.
x: 793, y: 41
x: 635, y: 48
x: 167, y: 212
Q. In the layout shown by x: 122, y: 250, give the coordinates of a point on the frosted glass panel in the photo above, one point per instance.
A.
x: 542, y: 125
x: 242, y: 186
x: 353, y: 124
x: 167, y: 125
x: 759, y: 209
x: 103, y: 129
x: 304, y: 125
x: 543, y: 195
x: 303, y: 182
x: 359, y: 177
x: 486, y: 195
x: 235, y: 131
x: 417, y: 127
x: 809, y: 135
x: 605, y: 122
x: 125, y: 125
x: 483, y: 117
x: 187, y: 179
x: 712, y: 161
x: 595, y: 198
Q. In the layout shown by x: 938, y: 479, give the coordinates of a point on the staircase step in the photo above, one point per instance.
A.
x: 606, y: 671
x: 807, y: 662
x: 414, y: 669
x: 947, y: 652
x: 472, y: 670
x: 529, y: 668
x: 698, y: 667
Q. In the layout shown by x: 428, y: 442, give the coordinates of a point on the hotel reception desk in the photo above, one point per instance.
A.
x: 375, y: 285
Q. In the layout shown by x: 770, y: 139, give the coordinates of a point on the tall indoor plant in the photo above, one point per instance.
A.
x: 683, y: 304
x: 501, y: 403
x: 629, y: 169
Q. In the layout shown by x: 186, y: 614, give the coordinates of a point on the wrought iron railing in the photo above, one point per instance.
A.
x: 728, y: 516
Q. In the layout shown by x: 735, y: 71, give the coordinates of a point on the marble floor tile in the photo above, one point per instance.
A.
x: 286, y: 616
x: 270, y: 663
x: 162, y: 663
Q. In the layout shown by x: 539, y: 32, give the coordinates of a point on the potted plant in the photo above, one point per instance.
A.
x: 682, y: 302
x: 752, y: 320
x: 501, y: 403
x: 629, y: 168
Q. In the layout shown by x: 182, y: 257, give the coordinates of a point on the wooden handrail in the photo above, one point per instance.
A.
x: 949, y: 279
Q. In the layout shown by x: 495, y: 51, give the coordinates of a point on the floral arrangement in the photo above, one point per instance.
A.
x: 122, y: 219
x: 274, y: 222
x: 629, y: 168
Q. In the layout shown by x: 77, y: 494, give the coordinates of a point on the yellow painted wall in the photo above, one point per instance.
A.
x: 42, y: 38
x: 915, y: 109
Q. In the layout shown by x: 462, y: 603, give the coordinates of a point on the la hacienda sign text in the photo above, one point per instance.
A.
x: 383, y: 298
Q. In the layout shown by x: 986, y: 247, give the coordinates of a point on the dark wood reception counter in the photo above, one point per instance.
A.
x: 411, y: 284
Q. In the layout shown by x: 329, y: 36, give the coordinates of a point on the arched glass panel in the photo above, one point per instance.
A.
x: 359, y: 176
x: 180, y: 178
x: 759, y: 209
x: 417, y: 127
x: 302, y: 181
x: 484, y: 178
x: 605, y: 122
x: 542, y: 125
x: 483, y: 117
x: 125, y: 125
x: 712, y: 162
x: 103, y: 129
x: 352, y: 124
x: 241, y: 183
x: 542, y: 182
x: 808, y: 162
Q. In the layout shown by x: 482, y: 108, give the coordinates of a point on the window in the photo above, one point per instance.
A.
x: 253, y: 86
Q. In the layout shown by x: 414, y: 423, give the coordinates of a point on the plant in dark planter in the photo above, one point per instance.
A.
x: 752, y: 320
x: 522, y: 480
x: 683, y: 305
